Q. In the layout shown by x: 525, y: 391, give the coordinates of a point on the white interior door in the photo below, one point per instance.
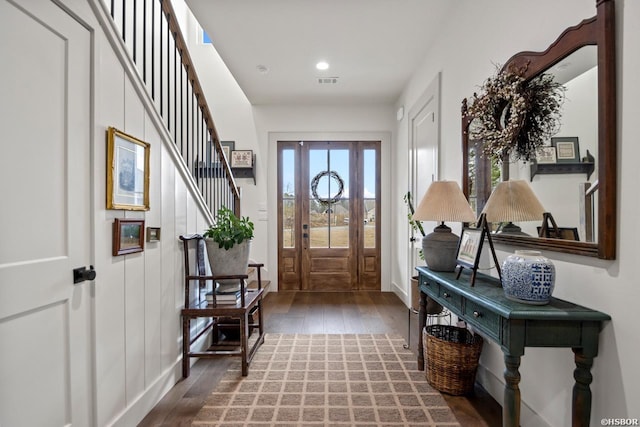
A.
x: 424, y: 136
x: 45, y: 320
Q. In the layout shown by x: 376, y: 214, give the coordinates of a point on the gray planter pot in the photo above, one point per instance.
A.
x: 225, y: 262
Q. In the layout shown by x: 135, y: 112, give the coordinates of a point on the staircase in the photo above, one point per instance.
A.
x: 150, y: 34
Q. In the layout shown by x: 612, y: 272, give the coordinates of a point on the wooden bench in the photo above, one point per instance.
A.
x: 243, y: 317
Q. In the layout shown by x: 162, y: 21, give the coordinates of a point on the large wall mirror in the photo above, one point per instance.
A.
x: 580, y: 194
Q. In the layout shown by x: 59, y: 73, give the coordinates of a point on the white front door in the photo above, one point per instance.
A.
x: 45, y: 231
x: 424, y: 131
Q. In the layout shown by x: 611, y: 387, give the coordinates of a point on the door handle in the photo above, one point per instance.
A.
x: 81, y: 274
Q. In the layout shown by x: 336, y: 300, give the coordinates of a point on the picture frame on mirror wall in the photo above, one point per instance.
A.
x: 546, y: 154
x: 242, y: 159
x: 128, y: 236
x: 127, y: 171
x: 567, y: 149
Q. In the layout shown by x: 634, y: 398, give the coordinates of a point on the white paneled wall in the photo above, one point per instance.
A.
x: 136, y: 298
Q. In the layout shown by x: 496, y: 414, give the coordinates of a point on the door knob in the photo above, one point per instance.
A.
x: 81, y: 274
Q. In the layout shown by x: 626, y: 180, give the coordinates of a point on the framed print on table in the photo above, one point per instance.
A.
x: 469, y: 248
x: 127, y: 172
x: 567, y: 149
x: 128, y: 236
x: 242, y: 159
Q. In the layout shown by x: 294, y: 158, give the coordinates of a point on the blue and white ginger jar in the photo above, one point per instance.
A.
x: 528, y: 277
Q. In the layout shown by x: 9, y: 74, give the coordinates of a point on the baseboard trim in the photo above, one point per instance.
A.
x: 145, y: 402
x: 495, y: 387
x: 401, y: 293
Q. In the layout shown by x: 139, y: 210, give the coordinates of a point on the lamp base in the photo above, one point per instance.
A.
x: 440, y: 249
x: 511, y: 228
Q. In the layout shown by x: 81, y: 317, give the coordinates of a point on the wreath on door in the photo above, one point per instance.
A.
x: 327, y: 201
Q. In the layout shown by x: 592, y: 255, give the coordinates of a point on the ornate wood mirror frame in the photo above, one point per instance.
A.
x: 597, y: 31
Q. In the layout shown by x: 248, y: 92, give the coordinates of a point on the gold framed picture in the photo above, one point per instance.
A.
x: 127, y: 172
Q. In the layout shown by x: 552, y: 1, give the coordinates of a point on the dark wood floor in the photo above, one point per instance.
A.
x: 317, y: 312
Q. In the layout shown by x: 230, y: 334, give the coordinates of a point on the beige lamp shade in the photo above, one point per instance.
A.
x: 444, y: 201
x: 513, y: 201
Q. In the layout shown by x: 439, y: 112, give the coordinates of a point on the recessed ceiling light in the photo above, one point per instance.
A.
x: 322, y: 65
x: 262, y: 69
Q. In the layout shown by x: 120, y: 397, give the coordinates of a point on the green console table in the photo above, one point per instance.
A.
x: 515, y: 326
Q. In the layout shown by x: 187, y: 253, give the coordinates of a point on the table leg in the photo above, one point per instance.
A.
x: 244, y: 342
x: 511, y: 404
x: 422, y: 321
x: 408, y: 344
x: 186, y: 346
x: 581, y: 392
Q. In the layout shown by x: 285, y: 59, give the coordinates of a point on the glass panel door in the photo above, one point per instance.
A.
x: 328, y: 200
x: 328, y: 215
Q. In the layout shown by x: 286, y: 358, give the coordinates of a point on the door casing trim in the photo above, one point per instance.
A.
x: 385, y: 192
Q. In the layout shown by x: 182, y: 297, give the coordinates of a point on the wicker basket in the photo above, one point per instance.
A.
x: 451, y: 358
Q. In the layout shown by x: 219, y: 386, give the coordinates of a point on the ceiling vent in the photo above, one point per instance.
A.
x: 327, y: 80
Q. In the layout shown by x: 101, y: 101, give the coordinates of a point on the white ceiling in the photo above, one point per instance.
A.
x: 372, y: 46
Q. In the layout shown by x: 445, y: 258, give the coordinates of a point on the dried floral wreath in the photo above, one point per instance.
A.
x: 328, y: 201
x: 513, y: 116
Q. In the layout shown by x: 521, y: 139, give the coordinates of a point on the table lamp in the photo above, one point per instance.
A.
x: 526, y: 276
x: 513, y: 201
x: 442, y: 202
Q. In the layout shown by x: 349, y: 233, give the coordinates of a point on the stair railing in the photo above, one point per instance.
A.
x: 151, y: 33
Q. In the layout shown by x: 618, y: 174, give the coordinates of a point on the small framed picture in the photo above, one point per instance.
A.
x: 128, y: 236
x: 469, y: 247
x: 153, y: 234
x: 127, y: 172
x: 242, y: 159
x: 546, y: 155
x: 567, y: 150
x: 227, y: 148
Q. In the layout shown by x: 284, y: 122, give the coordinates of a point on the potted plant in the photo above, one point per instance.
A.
x: 228, y: 242
x: 416, y: 226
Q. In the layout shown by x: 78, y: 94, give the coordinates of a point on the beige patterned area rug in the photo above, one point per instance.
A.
x: 327, y: 380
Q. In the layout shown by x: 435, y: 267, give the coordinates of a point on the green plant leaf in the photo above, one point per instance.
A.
x: 228, y: 229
